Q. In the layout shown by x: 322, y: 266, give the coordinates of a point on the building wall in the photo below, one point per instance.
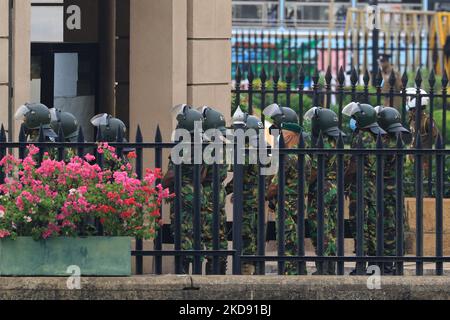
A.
x: 180, y: 52
x: 21, y: 58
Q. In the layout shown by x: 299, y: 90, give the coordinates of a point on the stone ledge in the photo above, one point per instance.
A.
x: 226, y: 288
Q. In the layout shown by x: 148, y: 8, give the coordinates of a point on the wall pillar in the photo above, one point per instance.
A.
x: 20, y: 62
x: 209, y: 54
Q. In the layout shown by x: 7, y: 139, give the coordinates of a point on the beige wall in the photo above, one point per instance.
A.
x: 209, y: 53
x: 181, y: 55
x: 180, y: 52
x: 3, y: 61
x: 21, y: 60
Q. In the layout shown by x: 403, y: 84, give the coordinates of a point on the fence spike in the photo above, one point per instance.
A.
x: 158, y: 135
x: 439, y: 142
x: 354, y: 77
x: 289, y: 76
x: 99, y: 135
x: 444, y: 80
x: 61, y: 137
x: 392, y: 79
x: 263, y: 75
x: 281, y: 144
x: 276, y: 75
x: 405, y: 79
x: 2, y: 134
x: 328, y: 76
x: 341, y: 76
x: 340, y: 141
x: 22, y: 135
x: 418, y: 79
x: 379, y: 78
x: 301, y: 142
x: 250, y: 74
x: 139, y: 137
x: 301, y: 76
x: 320, y: 143
x: 41, y: 134
x: 399, y: 141
x: 432, y: 80
x: 418, y: 141
x: 379, y: 141
x: 119, y: 135
x: 80, y: 134
x: 238, y: 76
x: 366, y: 78
x: 359, y: 142
x: 315, y: 77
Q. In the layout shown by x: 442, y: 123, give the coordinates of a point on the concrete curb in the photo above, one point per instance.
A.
x: 226, y: 288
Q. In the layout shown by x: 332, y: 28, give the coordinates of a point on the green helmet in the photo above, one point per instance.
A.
x: 35, y: 116
x: 390, y: 120
x: 325, y: 121
x: 66, y: 122
x: 280, y: 115
x: 187, y: 117
x: 365, y: 117
x: 246, y: 120
x: 109, y: 126
x: 213, y: 119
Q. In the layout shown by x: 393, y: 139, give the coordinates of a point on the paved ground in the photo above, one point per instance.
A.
x: 229, y: 288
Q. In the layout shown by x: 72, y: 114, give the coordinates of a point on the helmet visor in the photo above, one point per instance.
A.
x: 272, y: 111
x: 49, y: 133
x: 310, y: 114
x: 351, y: 109
x: 397, y: 127
x: 334, y: 132
x: 100, y: 120
x: 375, y: 128
x: 21, y: 113
x: 178, y: 110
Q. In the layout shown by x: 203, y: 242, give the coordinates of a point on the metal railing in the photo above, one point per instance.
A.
x: 437, y: 180
x: 291, y: 49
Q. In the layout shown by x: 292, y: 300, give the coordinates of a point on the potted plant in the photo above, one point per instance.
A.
x: 58, y: 214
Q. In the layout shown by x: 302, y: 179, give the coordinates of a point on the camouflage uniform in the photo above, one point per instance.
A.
x: 428, y: 135
x: 207, y: 216
x: 329, y: 205
x: 390, y: 197
x: 291, y: 196
x: 187, y: 211
x: 369, y: 208
x: 250, y: 208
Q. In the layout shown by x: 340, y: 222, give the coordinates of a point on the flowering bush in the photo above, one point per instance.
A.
x: 76, y: 198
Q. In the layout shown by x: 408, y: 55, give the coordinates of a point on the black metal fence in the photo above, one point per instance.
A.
x: 289, y: 50
x: 260, y: 257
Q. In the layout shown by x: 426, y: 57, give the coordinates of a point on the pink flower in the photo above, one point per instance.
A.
x: 89, y: 157
x: 4, y: 234
x: 33, y: 150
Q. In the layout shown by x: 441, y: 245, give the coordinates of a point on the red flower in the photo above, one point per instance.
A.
x: 132, y: 155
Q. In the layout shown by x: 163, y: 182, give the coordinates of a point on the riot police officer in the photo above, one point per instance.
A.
x: 324, y: 121
x: 35, y: 116
x: 66, y: 122
x: 187, y: 118
x: 390, y: 120
x: 252, y: 126
x: 427, y: 129
x: 366, y: 129
x: 286, y: 120
x: 213, y: 122
x: 108, y: 127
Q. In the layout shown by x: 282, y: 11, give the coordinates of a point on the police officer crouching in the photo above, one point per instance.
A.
x: 111, y: 130
x: 35, y: 116
x: 390, y: 120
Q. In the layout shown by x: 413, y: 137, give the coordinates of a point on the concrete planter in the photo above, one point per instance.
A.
x: 95, y: 256
x: 429, y: 226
